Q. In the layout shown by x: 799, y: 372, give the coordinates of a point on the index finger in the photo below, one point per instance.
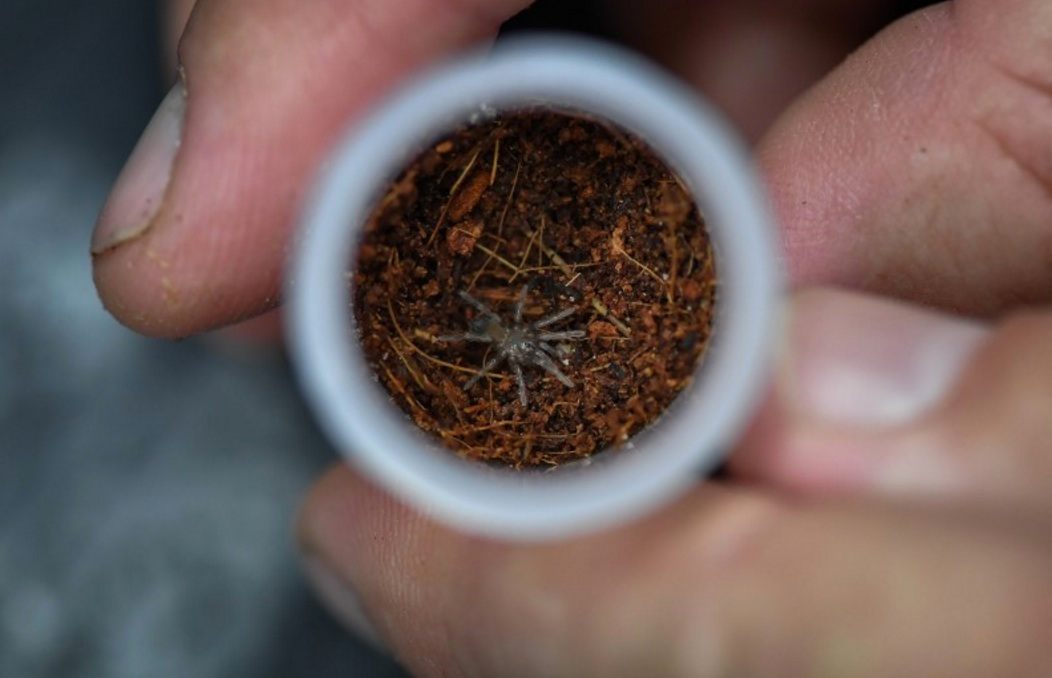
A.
x: 922, y: 167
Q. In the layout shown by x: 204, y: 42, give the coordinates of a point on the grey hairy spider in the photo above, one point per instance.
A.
x: 521, y: 343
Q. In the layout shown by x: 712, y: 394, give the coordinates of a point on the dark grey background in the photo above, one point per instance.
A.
x: 147, y: 488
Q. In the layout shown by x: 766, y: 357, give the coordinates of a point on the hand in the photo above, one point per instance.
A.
x: 890, y: 511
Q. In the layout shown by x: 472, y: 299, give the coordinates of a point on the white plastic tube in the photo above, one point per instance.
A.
x: 655, y: 466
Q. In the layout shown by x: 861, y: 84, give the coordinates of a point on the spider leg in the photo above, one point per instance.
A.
x: 549, y: 349
x: 521, y: 303
x: 466, y: 336
x: 490, y: 364
x: 522, y: 382
x: 542, y: 360
x: 479, y: 306
x: 554, y: 318
x: 569, y: 335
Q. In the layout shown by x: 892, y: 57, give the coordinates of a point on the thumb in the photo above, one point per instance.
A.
x: 193, y: 235
x: 875, y: 396
x: 727, y: 582
x: 737, y: 579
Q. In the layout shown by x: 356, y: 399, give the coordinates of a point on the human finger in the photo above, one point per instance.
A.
x: 922, y: 166
x: 726, y: 582
x: 878, y: 397
x: 751, y: 58
x: 195, y: 232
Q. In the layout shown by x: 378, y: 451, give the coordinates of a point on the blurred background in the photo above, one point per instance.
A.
x: 148, y: 488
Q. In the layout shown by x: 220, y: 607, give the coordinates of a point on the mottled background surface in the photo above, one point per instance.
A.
x: 147, y: 488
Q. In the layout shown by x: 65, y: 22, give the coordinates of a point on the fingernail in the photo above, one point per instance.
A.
x: 136, y: 197
x: 339, y: 598
x: 856, y: 360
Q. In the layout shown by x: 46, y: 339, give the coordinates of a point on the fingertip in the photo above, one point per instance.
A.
x: 860, y: 361
x: 803, y: 456
x: 152, y: 286
x: 349, y: 520
x: 859, y: 378
x: 385, y: 571
x: 337, y: 505
x: 195, y: 233
x: 331, y: 518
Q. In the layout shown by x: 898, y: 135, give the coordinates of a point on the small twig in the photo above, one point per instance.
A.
x: 636, y: 355
x: 422, y: 352
x: 469, y: 234
x: 511, y: 194
x: 573, y: 267
x: 500, y: 223
x: 682, y: 186
x: 621, y: 250
x: 602, y: 310
x: 526, y: 449
x: 540, y: 234
x: 452, y: 191
x: 690, y: 261
x: 552, y: 254
x: 496, y: 238
x: 525, y: 255
x: 671, y: 243
x: 492, y: 402
x: 426, y: 336
x: 456, y: 410
x: 464, y: 173
x: 421, y: 382
x: 496, y: 155
x: 467, y: 447
x: 400, y: 388
x: 496, y: 424
x: 500, y: 259
x: 438, y: 225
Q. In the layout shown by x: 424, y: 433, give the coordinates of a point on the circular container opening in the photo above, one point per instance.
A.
x: 534, y: 289
x: 405, y: 260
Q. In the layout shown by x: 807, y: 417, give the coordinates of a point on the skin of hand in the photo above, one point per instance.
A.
x: 890, y: 510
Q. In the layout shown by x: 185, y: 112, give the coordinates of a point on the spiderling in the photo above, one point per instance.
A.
x: 521, y: 343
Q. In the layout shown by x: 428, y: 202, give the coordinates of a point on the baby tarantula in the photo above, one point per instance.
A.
x: 520, y: 344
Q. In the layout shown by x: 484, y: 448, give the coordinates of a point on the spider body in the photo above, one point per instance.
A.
x: 519, y: 343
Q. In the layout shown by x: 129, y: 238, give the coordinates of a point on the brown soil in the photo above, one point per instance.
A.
x: 587, y: 217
